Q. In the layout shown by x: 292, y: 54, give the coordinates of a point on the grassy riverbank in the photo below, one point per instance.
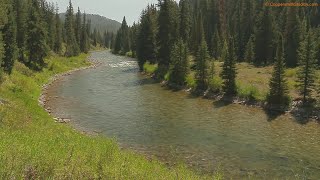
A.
x: 252, y: 81
x: 33, y: 146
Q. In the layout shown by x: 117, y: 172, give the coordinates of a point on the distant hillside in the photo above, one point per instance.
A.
x: 101, y: 23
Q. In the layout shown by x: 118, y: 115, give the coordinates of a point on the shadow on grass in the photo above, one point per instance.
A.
x: 273, y: 114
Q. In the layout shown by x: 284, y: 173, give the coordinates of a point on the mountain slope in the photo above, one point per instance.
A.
x: 101, y: 23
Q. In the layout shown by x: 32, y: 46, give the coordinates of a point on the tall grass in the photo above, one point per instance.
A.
x: 33, y: 146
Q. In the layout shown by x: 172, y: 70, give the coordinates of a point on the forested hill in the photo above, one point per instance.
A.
x: 100, y: 23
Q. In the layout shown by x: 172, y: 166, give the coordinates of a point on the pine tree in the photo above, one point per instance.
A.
x: 84, y: 38
x: 179, y: 63
x: 278, y: 94
x: 58, y: 37
x: 72, y: 47
x: 229, y: 69
x: 198, y: 33
x: 95, y: 38
x: 117, y: 43
x: 125, y: 46
x: 167, y: 34
x: 9, y: 38
x: 250, y: 50
x: 264, y: 37
x: 78, y: 26
x: 36, y: 46
x: 216, y: 45
x: 146, y: 38
x: 122, y: 41
x: 21, y: 16
x: 3, y: 21
x: 307, y: 61
x: 202, y: 66
x: 51, y: 25
x: 185, y: 20
x: 292, y: 37
x: 133, y: 39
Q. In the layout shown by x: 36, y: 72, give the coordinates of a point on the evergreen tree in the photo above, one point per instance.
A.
x: 36, y: 46
x: 51, y: 25
x: 278, y: 94
x: 185, y: 20
x: 292, y: 37
x: 202, y: 66
x: 20, y: 7
x: 78, y: 26
x: 307, y: 61
x: 264, y: 37
x: 133, y: 39
x: 216, y: 45
x: 58, y: 37
x: 250, y: 50
x: 167, y: 34
x: 117, y: 43
x: 95, y: 38
x: 179, y: 63
x: 124, y: 42
x: 198, y: 33
x: 3, y: 21
x: 146, y: 40
x: 10, y: 47
x: 229, y: 69
x: 72, y: 47
x: 84, y: 39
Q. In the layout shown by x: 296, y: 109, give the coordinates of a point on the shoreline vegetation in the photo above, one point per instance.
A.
x: 252, y: 97
x: 33, y: 146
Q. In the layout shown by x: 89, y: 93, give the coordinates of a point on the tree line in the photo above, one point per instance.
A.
x: 229, y: 31
x: 30, y: 30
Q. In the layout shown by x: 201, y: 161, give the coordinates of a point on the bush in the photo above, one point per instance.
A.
x: 248, y: 92
x: 215, y: 84
x: 129, y: 54
x: 191, y: 82
x: 291, y: 72
x: 150, y: 68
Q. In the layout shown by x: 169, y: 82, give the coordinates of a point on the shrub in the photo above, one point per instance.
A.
x: 129, y: 54
x: 150, y: 68
x: 191, y: 82
x: 215, y: 84
x: 249, y: 92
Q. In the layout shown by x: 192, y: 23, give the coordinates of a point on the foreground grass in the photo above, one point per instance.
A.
x: 32, y: 146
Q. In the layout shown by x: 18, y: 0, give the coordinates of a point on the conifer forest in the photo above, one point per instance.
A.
x: 184, y: 89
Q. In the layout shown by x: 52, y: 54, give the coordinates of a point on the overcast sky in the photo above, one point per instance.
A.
x: 113, y: 9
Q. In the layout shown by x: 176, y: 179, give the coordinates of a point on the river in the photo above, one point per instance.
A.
x: 118, y: 102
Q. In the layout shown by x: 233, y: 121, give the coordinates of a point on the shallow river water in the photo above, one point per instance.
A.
x: 115, y: 100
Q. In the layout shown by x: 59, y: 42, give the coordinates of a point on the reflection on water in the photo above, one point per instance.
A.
x: 115, y: 100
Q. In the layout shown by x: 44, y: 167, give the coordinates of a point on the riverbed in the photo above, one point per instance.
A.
x: 116, y: 101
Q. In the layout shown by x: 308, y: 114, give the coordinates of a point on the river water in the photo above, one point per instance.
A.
x: 116, y: 101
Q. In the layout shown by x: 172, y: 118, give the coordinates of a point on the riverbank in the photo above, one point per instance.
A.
x: 253, y: 85
x: 33, y: 146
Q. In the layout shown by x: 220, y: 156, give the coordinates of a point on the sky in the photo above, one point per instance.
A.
x: 112, y: 9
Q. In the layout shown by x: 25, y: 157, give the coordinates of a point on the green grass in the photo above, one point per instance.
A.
x: 33, y: 146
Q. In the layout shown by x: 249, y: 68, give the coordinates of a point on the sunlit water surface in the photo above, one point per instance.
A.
x: 115, y: 100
